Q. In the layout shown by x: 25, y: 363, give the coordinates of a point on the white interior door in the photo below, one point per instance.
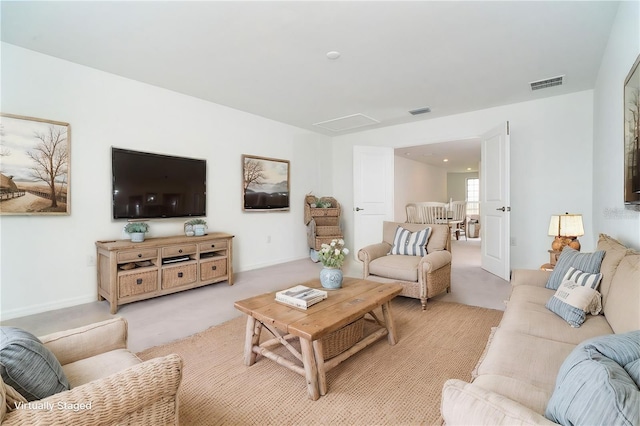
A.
x: 494, y: 201
x: 373, y: 177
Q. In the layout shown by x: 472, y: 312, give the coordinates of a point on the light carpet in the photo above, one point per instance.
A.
x: 381, y: 385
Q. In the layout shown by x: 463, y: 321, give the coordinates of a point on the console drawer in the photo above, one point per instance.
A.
x: 212, y: 245
x: 179, y: 275
x: 135, y: 255
x: 211, y: 269
x: 137, y: 283
x: 173, y: 251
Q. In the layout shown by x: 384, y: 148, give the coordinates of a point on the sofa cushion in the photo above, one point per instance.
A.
x: 623, y: 301
x: 587, y: 262
x: 614, y: 252
x: 99, y: 366
x: 599, y: 383
x: 572, y: 301
x: 525, y: 393
x: 410, y: 243
x: 28, y: 366
x: 395, y: 266
x: 528, y: 315
x: 510, y: 351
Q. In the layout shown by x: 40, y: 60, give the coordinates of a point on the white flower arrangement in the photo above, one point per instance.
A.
x: 333, y: 255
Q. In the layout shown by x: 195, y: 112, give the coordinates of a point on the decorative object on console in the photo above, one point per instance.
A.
x: 136, y: 231
x: 195, y: 227
x: 322, y: 218
x: 35, y: 178
x: 632, y: 138
x: 332, y: 257
x: 566, y: 228
x: 265, y: 185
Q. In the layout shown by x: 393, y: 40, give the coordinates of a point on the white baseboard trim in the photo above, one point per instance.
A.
x: 44, y: 307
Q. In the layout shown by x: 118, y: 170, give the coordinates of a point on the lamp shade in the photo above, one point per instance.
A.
x: 566, y: 225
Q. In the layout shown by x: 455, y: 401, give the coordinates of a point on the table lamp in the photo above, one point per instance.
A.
x: 566, y: 228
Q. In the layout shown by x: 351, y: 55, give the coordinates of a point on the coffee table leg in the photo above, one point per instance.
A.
x: 322, y: 373
x: 252, y: 338
x: 388, y: 321
x: 310, y: 368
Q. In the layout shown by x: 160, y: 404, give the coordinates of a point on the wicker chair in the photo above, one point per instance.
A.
x: 421, y: 277
x: 120, y: 388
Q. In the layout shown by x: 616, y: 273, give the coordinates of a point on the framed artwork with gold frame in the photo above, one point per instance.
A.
x: 265, y: 184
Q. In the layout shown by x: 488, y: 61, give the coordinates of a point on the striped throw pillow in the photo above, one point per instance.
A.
x: 597, y: 383
x: 584, y: 279
x: 410, y: 243
x: 587, y: 262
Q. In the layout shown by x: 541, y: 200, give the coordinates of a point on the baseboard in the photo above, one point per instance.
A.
x: 44, y: 307
x: 268, y: 264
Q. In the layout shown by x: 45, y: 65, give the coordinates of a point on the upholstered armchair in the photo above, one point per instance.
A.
x: 108, y: 384
x: 421, y: 274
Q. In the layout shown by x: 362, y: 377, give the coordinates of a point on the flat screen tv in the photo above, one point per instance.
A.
x: 147, y: 185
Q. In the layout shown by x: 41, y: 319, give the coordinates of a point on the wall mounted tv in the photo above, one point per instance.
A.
x: 147, y: 185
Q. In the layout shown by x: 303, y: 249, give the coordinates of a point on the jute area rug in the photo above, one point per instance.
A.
x: 381, y: 385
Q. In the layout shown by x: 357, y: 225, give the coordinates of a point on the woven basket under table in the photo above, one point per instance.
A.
x: 342, y: 339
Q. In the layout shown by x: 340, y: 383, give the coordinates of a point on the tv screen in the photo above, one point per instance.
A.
x: 147, y: 185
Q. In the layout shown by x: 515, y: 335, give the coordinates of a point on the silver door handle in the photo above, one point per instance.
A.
x: 505, y: 209
x: 358, y: 209
x: 501, y: 208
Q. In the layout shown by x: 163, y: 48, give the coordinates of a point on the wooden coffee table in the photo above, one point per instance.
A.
x: 356, y: 298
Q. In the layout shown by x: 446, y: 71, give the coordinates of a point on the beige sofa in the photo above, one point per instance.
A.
x: 421, y: 277
x: 109, y: 384
x: 516, y: 376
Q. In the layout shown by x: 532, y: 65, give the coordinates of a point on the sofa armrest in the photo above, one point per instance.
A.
x: 533, y: 277
x: 435, y: 260
x: 467, y: 404
x: 83, y: 342
x: 142, y: 394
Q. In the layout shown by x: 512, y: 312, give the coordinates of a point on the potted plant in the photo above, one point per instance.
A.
x: 332, y: 257
x: 136, y: 231
x: 195, y: 227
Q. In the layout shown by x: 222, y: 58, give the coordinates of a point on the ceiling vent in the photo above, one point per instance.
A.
x: 420, y: 111
x: 347, y: 123
x: 548, y: 82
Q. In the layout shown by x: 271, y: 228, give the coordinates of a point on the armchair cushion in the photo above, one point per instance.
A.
x: 395, y: 266
x: 28, y: 366
x: 410, y: 243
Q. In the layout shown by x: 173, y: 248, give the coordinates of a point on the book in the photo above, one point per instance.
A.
x: 301, y: 296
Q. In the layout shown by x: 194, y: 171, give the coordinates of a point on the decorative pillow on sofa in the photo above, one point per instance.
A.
x: 28, y: 366
x: 410, y: 243
x: 587, y: 262
x: 572, y: 301
x: 598, y: 383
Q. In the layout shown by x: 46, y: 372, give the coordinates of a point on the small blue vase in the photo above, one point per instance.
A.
x: 331, y: 278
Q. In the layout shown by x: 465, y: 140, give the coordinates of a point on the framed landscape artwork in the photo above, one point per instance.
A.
x: 34, y: 166
x: 632, y: 138
x: 265, y: 185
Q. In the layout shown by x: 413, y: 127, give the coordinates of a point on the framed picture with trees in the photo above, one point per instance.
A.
x: 632, y: 137
x: 35, y: 166
x: 265, y: 185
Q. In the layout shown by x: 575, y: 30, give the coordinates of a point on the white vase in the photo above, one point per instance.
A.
x: 198, y: 230
x: 137, y: 237
x: 331, y: 278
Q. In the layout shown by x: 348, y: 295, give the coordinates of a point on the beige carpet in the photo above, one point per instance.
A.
x: 381, y: 385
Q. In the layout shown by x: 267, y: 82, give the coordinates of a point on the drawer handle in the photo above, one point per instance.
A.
x: 180, y: 251
x: 180, y: 274
x: 139, y: 281
x: 214, y: 267
x: 139, y: 254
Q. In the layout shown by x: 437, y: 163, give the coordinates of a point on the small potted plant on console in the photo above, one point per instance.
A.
x: 136, y: 231
x: 195, y: 227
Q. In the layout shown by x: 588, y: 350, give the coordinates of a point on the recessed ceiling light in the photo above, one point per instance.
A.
x: 469, y: 168
x: 333, y: 55
x: 445, y: 160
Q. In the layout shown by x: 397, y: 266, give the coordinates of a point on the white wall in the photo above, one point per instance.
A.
x: 544, y: 134
x: 47, y: 262
x: 609, y: 213
x: 416, y: 181
x: 457, y: 185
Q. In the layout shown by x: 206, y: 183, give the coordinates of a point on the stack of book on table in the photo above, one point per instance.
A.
x: 301, y: 296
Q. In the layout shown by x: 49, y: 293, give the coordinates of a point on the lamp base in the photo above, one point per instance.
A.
x: 559, y: 243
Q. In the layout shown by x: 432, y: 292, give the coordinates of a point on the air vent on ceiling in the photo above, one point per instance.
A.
x: 548, y: 82
x: 419, y: 111
x: 347, y: 123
